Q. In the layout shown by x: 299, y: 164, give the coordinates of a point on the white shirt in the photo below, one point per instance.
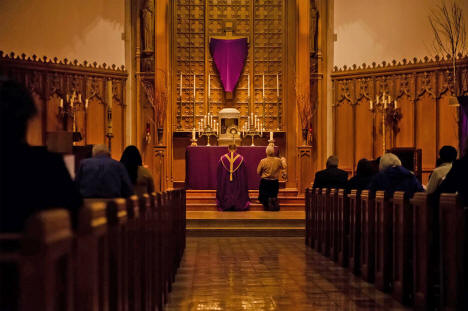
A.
x: 437, y: 176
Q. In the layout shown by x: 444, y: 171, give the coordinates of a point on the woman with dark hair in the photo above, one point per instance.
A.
x: 140, y: 176
x: 362, y: 179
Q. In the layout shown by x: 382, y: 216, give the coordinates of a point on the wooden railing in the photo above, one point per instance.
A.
x: 123, y: 255
x: 411, y: 248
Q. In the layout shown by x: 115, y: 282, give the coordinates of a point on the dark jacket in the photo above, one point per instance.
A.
x: 103, y: 177
x: 359, y: 182
x: 396, y: 178
x: 33, y: 179
x: 457, y: 180
x: 331, y: 177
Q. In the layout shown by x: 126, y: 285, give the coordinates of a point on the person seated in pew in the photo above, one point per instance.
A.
x: 332, y: 176
x: 457, y: 178
x: 393, y: 177
x: 363, y: 177
x: 103, y: 177
x: 140, y: 176
x: 447, y: 154
x: 32, y: 179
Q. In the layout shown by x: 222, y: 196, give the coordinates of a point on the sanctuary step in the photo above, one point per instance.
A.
x: 205, y: 200
x: 251, y: 223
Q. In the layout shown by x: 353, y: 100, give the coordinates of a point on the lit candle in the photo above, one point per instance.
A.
x: 79, y: 98
x: 371, y: 105
x: 277, y: 85
x: 86, y: 104
x: 109, y: 93
x: 248, y: 122
x: 193, y: 133
x: 396, y: 104
x: 263, y: 86
x: 209, y: 86
x: 61, y: 103
x: 68, y: 98
x: 248, y: 85
x: 271, y: 135
x: 180, y: 88
x: 194, y: 87
x: 251, y: 119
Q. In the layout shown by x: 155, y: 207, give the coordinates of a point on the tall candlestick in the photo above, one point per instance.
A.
x: 180, y: 88
x: 109, y: 93
x: 263, y: 86
x: 194, y: 87
x: 277, y: 85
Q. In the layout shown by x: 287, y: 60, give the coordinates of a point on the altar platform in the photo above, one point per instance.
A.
x: 251, y: 223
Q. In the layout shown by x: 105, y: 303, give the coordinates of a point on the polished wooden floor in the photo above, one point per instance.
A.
x: 267, y: 273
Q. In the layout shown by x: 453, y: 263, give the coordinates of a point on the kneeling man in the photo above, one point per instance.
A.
x: 232, y: 193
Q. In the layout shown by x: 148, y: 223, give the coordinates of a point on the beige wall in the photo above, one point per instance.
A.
x: 75, y: 29
x: 378, y: 30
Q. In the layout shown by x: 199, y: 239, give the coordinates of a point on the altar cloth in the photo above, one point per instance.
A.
x: 201, y: 163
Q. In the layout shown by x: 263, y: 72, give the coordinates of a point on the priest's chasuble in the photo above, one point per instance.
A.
x: 232, y: 191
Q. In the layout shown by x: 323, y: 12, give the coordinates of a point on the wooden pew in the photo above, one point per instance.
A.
x: 402, y: 248
x: 354, y: 247
x: 158, y: 300
x: 383, y: 241
x: 324, y: 222
x: 424, y: 251
x: 453, y: 252
x: 367, y: 236
x: 36, y: 266
x: 343, y: 227
x: 116, y: 211
x: 333, y: 224
x: 91, y: 258
x: 135, y: 255
x: 314, y: 243
x: 146, y: 284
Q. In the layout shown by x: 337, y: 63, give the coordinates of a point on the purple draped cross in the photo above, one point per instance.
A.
x: 229, y: 56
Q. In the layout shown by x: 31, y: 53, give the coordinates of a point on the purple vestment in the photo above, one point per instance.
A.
x: 232, y: 193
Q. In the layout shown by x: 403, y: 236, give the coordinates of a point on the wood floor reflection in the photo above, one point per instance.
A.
x: 258, y: 273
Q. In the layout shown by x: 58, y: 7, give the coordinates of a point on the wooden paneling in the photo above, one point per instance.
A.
x: 405, y: 136
x: 344, y: 134
x: 364, y: 131
x: 51, y: 80
x: 421, y: 88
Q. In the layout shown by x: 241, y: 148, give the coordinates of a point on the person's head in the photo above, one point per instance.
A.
x: 270, y: 151
x: 131, y: 159
x: 17, y: 107
x: 100, y: 149
x: 448, y: 154
x: 332, y: 161
x: 364, y: 168
x: 232, y: 148
x: 389, y: 160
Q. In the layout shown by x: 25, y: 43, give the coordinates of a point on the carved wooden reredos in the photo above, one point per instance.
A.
x: 195, y: 21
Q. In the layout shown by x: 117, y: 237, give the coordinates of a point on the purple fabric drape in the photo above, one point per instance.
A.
x: 201, y: 163
x: 229, y: 56
x: 232, y: 195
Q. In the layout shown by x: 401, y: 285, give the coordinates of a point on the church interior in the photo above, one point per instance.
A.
x: 290, y: 155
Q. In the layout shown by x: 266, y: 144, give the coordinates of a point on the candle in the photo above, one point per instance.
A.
x: 109, y: 93
x: 251, y: 119
x: 61, y: 103
x: 277, y: 85
x: 79, y: 98
x: 68, y: 98
x: 248, y: 84
x: 371, y: 105
x: 396, y: 104
x: 194, y: 87
x: 180, y: 88
x: 263, y: 86
x: 86, y: 104
x: 209, y: 86
x: 385, y: 104
x: 248, y: 122
x: 271, y: 135
x: 193, y: 133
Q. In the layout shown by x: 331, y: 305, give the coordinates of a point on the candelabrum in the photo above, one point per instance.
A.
x: 391, y: 114
x: 68, y: 110
x: 207, y: 126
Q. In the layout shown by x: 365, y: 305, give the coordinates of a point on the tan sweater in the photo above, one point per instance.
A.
x: 144, y: 183
x: 270, y: 167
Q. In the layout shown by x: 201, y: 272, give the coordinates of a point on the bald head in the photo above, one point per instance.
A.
x: 100, y: 149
